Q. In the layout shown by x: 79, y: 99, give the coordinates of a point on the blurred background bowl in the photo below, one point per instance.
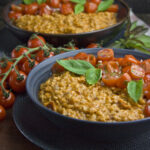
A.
x: 81, y: 39
x: 100, y: 130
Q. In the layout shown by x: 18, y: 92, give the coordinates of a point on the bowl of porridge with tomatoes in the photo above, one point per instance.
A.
x: 67, y: 19
x: 98, y: 92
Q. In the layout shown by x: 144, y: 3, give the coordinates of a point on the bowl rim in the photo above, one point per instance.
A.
x: 53, y: 60
x: 10, y: 24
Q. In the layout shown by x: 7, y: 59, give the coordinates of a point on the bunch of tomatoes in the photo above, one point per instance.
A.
x: 13, y: 77
x: 63, y: 6
x: 117, y: 72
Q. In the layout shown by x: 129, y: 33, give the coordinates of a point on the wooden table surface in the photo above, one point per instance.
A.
x: 10, y: 137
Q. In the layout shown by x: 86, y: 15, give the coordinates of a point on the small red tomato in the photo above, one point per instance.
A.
x: 7, y: 102
x: 2, y: 113
x: 147, y: 78
x: 90, y: 7
x: 91, y: 59
x: 147, y: 109
x: 18, y: 52
x: 44, y: 9
x: 31, y: 9
x: 96, y: 1
x: 113, y: 67
x: 93, y: 45
x: 5, y: 66
x: 16, y: 8
x: 35, y: 42
x: 4, y: 83
x: 65, y: 1
x: 28, y: 66
x: 54, y: 3
x: 14, y: 15
x: 136, y: 72
x: 17, y: 83
x: 66, y: 8
x: 81, y: 56
x: 113, y: 8
x: 105, y: 54
x: 41, y: 55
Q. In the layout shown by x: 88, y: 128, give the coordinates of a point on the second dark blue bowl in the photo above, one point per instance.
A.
x: 97, y: 130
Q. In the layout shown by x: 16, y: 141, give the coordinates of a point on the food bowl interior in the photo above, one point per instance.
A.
x: 81, y: 39
x: 93, y: 129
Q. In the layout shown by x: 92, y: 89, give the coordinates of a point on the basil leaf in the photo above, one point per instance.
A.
x: 27, y: 2
x: 145, y: 39
x: 104, y: 5
x: 93, y: 75
x: 79, y: 8
x: 79, y: 1
x: 135, y: 89
x: 133, y: 25
x: 76, y: 66
x: 41, y: 1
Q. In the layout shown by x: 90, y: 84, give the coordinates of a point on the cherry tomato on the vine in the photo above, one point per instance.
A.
x: 5, y: 66
x: 28, y: 66
x: 7, y: 102
x: 42, y: 55
x: 18, y: 52
x: 36, y: 42
x: 2, y: 113
x: 17, y: 83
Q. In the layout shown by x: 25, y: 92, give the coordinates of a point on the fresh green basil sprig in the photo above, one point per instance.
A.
x: 135, y: 89
x: 104, y: 5
x: 82, y: 67
x: 134, y: 38
x: 31, y: 1
x: 79, y: 7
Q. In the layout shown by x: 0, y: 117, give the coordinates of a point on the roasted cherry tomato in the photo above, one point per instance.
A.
x: 147, y: 78
x: 113, y: 8
x: 92, y: 59
x: 126, y: 69
x: 147, y: 90
x: 90, y: 7
x: 136, y: 72
x: 147, y: 109
x: 129, y: 60
x: 17, y: 83
x: 81, y: 56
x: 2, y: 113
x: 41, y: 55
x: 14, y: 15
x: 67, y: 8
x: 113, y: 67
x: 123, y: 80
x: 96, y: 1
x: 65, y: 1
x: 105, y: 54
x: 28, y: 66
x: 16, y: 8
x: 146, y: 65
x: 44, y: 9
x: 35, y: 42
x: 55, y: 3
x: 110, y: 79
x: 18, y: 52
x: 31, y: 9
x: 7, y: 102
x: 93, y: 45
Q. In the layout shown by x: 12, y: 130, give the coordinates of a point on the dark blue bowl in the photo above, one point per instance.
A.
x: 98, y: 130
x: 81, y: 39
